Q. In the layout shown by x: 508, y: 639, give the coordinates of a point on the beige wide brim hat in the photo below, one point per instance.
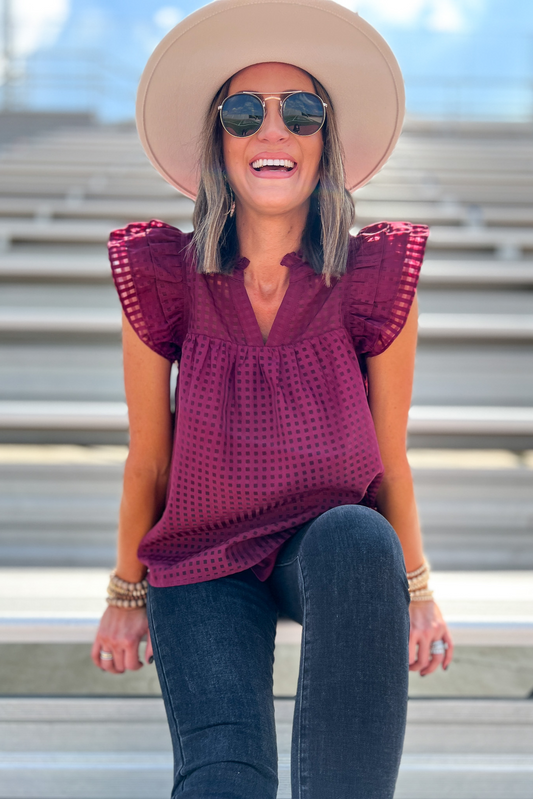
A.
x: 346, y: 54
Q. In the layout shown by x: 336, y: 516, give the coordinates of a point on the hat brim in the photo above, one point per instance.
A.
x: 346, y: 54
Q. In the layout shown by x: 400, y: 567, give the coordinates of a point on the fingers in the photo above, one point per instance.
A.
x: 118, y: 659
x: 97, y: 648
x: 446, y: 637
x: 125, y: 657
x: 413, y: 647
x: 131, y: 656
x: 95, y: 653
x: 422, y: 660
x: 107, y: 664
x: 119, y: 634
x: 420, y: 657
x: 149, y: 653
x: 434, y: 663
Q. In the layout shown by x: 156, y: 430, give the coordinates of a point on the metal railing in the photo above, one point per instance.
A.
x: 62, y: 80
x: 68, y: 80
x: 483, y: 98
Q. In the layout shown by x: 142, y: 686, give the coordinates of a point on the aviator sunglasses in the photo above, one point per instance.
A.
x: 243, y: 114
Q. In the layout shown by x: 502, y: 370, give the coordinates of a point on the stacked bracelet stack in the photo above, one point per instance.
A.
x: 126, y: 595
x: 418, y: 583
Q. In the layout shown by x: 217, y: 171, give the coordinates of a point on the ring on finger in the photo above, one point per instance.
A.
x: 105, y: 655
x: 438, y: 647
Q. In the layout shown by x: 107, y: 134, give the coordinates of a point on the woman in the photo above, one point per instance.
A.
x: 282, y: 486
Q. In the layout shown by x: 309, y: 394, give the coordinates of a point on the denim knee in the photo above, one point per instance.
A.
x: 353, y: 537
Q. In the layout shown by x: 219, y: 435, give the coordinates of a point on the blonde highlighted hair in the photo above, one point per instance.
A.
x: 331, y: 212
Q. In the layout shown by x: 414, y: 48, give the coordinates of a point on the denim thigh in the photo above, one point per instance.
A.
x: 342, y: 576
x: 214, y: 650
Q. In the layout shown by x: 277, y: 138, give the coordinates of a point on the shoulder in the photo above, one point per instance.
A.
x: 389, y: 240
x: 149, y: 262
x: 382, y: 274
x: 150, y: 238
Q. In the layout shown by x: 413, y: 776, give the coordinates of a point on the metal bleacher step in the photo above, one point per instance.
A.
x: 107, y: 321
x: 506, y: 241
x: 472, y: 326
x: 63, y: 320
x: 39, y: 415
x: 479, y: 273
x: 91, y: 208
x: 53, y: 266
x: 113, y: 748
x: 59, y: 506
x: 418, y: 189
x: 438, y: 213
x: 54, y: 605
x: 76, y: 266
x: 48, y: 619
x: 423, y: 419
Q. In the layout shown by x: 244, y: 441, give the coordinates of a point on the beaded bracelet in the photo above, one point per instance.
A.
x: 122, y: 594
x: 418, y: 583
x: 127, y: 604
x: 125, y: 586
x: 423, y: 568
x: 422, y: 596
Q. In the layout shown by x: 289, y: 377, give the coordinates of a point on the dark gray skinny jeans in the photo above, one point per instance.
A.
x: 342, y: 576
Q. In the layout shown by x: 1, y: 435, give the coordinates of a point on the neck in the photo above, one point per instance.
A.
x: 265, y: 240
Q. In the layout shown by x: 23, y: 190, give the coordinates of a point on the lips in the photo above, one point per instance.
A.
x: 272, y: 164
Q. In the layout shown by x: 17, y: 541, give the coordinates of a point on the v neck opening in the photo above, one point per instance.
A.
x: 273, y: 326
x: 297, y: 267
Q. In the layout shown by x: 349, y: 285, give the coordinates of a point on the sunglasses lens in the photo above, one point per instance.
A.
x: 242, y: 115
x: 303, y: 113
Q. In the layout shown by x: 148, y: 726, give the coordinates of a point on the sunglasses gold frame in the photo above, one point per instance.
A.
x: 268, y: 96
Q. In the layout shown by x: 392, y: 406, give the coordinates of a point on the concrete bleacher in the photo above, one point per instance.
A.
x: 63, y: 431
x: 121, y: 748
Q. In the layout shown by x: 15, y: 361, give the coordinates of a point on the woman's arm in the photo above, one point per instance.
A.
x: 147, y: 384
x: 390, y: 379
x: 146, y: 472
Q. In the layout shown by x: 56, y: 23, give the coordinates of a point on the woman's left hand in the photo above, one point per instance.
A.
x: 427, y: 626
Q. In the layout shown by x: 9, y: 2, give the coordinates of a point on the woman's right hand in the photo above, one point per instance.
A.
x: 120, y: 632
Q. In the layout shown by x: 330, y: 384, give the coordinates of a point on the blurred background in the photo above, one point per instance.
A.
x: 71, y: 170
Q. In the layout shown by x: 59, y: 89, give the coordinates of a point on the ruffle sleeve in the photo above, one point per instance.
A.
x: 148, y: 266
x: 382, y: 274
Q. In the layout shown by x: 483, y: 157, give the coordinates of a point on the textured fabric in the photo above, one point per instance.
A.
x: 342, y: 576
x: 267, y: 436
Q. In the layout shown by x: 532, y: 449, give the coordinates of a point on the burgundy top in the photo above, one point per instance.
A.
x: 267, y: 436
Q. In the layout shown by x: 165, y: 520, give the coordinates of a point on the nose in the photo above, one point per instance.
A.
x: 273, y: 128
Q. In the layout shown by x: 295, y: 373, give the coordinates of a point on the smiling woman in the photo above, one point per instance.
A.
x: 325, y: 237
x: 281, y: 485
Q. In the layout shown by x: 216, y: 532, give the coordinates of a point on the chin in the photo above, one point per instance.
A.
x: 277, y: 205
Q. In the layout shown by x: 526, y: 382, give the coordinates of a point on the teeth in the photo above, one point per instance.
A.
x: 272, y: 162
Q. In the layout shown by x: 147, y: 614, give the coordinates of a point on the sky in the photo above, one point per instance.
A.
x: 459, y: 57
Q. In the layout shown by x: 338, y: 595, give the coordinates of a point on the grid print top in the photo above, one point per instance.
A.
x: 267, y: 436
